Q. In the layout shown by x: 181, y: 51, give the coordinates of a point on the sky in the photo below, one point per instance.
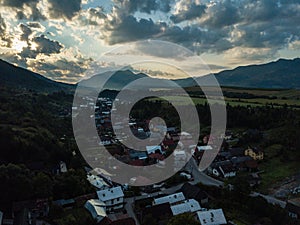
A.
x: 66, y: 39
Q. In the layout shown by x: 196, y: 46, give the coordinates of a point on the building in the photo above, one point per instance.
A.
x: 97, y: 182
x: 211, y: 217
x: 171, y: 199
x: 255, y: 153
x: 113, y: 198
x: 293, y: 210
x: 193, y: 192
x: 96, y: 208
x: 224, y: 171
x: 190, y: 205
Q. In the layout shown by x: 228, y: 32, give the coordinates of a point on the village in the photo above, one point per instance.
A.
x: 133, y: 204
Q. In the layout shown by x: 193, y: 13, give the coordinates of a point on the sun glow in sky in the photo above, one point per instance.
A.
x: 63, y: 39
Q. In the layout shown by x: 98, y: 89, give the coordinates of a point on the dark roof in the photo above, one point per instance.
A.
x: 126, y: 221
x: 193, y: 192
x: 293, y: 208
x: 228, y: 168
x: 237, y: 151
x: 158, y: 211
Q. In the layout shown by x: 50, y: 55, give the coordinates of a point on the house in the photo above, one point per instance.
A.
x: 113, y: 198
x: 225, y: 171
x: 190, y: 205
x: 193, y: 192
x: 255, y: 153
x: 211, y: 217
x: 293, y: 210
x: 97, y: 209
x: 171, y: 199
x: 97, y: 182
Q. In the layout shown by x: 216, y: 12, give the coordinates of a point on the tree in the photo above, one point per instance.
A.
x: 185, y: 218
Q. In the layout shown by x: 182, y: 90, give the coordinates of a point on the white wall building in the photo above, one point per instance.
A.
x: 113, y: 198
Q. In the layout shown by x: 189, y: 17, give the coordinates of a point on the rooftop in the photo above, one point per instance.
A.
x: 211, y: 217
x: 109, y: 194
x: 177, y: 197
x: 190, y: 205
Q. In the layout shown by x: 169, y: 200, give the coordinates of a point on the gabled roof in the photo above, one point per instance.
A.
x: 211, y: 217
x: 109, y: 194
x: 190, y: 205
x: 96, y: 208
x: 293, y: 208
x: 193, y: 192
x: 171, y: 199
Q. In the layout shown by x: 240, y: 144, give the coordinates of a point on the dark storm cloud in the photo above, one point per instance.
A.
x: 223, y: 13
x: 194, y: 11
x: 64, y: 8
x: 47, y: 46
x: 128, y: 28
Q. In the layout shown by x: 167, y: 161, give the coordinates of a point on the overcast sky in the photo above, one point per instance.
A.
x: 61, y: 39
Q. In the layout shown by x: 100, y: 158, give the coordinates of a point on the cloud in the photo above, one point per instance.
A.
x: 145, y: 6
x: 221, y: 14
x: 187, y: 10
x: 64, y: 8
x: 127, y: 28
x: 47, y: 46
x: 5, y: 39
x: 25, y: 9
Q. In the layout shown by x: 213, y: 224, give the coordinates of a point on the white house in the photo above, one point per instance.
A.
x: 96, y: 208
x: 113, y: 198
x: 190, y: 205
x: 211, y: 217
x: 174, y: 198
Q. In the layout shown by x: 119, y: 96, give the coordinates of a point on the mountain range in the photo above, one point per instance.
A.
x: 280, y: 74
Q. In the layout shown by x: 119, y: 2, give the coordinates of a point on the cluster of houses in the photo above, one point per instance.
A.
x: 187, y: 200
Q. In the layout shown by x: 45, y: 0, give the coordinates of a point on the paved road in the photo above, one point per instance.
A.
x: 270, y: 199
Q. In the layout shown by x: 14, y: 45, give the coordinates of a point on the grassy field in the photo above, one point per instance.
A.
x: 256, y: 102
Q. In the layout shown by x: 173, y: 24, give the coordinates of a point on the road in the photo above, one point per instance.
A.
x: 199, y: 177
x: 270, y: 199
